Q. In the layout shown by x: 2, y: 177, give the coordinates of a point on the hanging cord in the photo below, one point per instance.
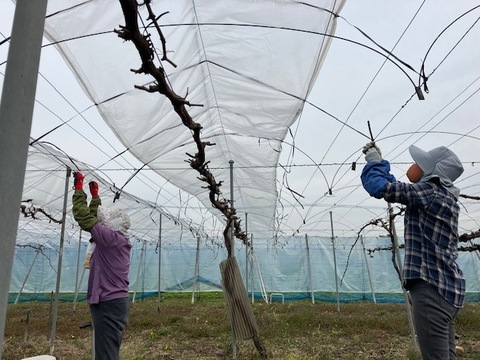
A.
x: 389, y: 58
x: 291, y: 95
x: 40, y: 143
x: 119, y: 191
x: 422, y: 76
x: 36, y: 142
x: 372, y: 81
x: 68, y: 9
x: 389, y: 53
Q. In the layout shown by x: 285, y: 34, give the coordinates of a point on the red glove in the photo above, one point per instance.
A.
x: 93, y: 188
x: 78, y: 180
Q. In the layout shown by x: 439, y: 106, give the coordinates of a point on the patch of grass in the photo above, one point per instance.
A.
x: 178, y: 329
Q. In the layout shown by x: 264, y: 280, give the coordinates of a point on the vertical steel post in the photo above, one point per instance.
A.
x: 37, y: 252
x: 232, y: 245
x: 159, y: 262
x: 368, y: 270
x: 232, y: 203
x: 77, y: 273
x: 196, y: 270
x: 16, y: 109
x: 60, y: 260
x: 246, y: 253
x: 335, y: 262
x: 140, y: 269
x: 252, y: 269
x: 309, y: 268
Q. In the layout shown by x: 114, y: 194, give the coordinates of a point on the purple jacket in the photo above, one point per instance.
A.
x: 109, y: 265
x: 110, y: 260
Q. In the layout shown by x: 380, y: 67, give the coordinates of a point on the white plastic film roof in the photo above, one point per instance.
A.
x: 249, y: 64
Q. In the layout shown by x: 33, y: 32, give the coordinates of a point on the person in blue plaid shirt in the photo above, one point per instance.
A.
x: 430, y: 272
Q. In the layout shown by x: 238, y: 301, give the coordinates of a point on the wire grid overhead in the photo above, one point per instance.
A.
x: 288, y: 107
x: 47, y: 175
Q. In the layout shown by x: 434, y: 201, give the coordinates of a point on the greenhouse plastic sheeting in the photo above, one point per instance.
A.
x: 43, y: 198
x: 284, y: 270
x: 232, y: 58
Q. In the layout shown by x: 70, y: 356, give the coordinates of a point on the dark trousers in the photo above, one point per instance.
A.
x: 109, y: 320
x: 434, y: 322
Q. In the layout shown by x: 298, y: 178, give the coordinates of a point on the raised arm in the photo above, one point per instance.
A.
x: 86, y: 216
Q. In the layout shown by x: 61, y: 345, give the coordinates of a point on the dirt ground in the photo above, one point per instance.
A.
x: 177, y: 329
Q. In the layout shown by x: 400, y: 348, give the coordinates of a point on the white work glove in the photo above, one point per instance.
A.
x: 372, y: 152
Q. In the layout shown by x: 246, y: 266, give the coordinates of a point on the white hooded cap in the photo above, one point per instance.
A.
x: 441, y: 163
x: 116, y: 219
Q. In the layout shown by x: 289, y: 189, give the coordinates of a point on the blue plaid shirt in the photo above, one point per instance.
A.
x: 431, y: 236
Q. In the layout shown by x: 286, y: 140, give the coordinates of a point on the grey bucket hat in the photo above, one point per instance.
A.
x: 441, y: 163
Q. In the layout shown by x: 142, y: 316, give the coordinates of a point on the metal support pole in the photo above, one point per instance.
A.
x: 408, y: 308
x: 159, y: 262
x: 232, y: 203
x: 232, y: 246
x: 59, y: 267
x: 140, y: 263
x: 196, y: 270
x: 309, y: 268
x: 37, y: 252
x: 246, y: 253
x: 335, y: 262
x: 252, y: 283
x: 77, y: 273
x: 368, y: 270
x: 16, y: 109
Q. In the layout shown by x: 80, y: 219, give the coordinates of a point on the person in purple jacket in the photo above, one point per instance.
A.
x: 107, y: 291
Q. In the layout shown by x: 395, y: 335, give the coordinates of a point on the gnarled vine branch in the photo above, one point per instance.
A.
x: 131, y: 32
x: 29, y: 210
